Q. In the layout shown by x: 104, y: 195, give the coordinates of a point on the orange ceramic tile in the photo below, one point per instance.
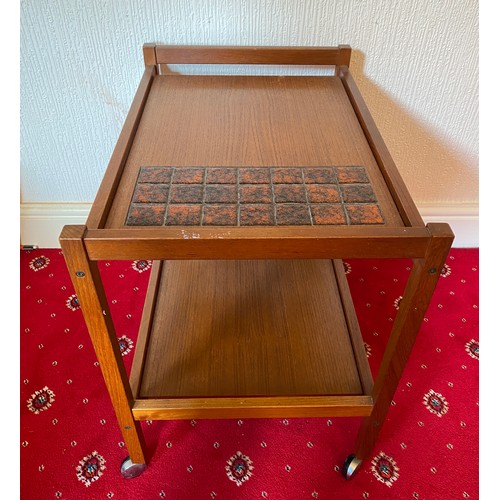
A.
x: 183, y: 215
x: 186, y: 193
x: 290, y: 193
x: 222, y: 175
x: 358, y: 193
x: 221, y: 193
x: 142, y: 214
x: 322, y: 193
x: 160, y: 175
x: 188, y: 175
x: 293, y: 214
x: 257, y: 215
x: 351, y: 174
x: 364, y: 214
x: 319, y: 175
x: 220, y: 215
x: 256, y: 193
x: 151, y: 193
x: 328, y: 214
x: 286, y: 175
x: 254, y: 176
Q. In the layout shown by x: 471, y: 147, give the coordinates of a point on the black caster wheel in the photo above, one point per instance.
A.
x: 130, y: 470
x: 351, y: 466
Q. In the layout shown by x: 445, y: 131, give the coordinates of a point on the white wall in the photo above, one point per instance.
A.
x: 416, y: 64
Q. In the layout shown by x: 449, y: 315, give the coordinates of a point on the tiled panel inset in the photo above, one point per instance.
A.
x: 259, y: 196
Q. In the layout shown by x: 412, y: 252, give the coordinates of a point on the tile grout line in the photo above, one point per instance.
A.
x: 271, y: 183
x: 307, y: 197
x: 238, y: 204
x: 165, y: 217
x: 204, y: 192
x: 341, y: 198
x: 133, y: 194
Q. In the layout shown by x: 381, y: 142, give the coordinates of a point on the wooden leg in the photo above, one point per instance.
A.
x: 418, y: 293
x: 90, y: 292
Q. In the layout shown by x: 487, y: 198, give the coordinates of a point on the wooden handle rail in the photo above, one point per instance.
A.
x: 171, y: 54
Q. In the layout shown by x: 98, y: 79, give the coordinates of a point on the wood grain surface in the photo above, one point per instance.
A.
x: 174, y: 54
x: 290, y: 242
x: 248, y: 121
x: 253, y: 407
x: 252, y: 328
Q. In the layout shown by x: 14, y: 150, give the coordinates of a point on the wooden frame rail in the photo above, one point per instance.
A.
x: 393, y: 179
x: 104, y: 198
x: 171, y: 54
x: 168, y: 243
x: 252, y: 407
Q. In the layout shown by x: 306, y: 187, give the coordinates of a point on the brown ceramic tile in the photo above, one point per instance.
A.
x: 286, y: 175
x: 188, y: 176
x: 257, y: 215
x: 289, y: 193
x: 221, y: 193
x: 221, y: 175
x: 186, y: 193
x: 183, y: 215
x: 328, y: 214
x: 157, y: 175
x: 254, y: 175
x: 256, y: 193
x: 146, y: 215
x: 291, y: 214
x: 351, y: 174
x: 151, y: 193
x: 358, y: 193
x: 220, y: 215
x: 364, y: 214
x: 319, y: 175
x: 322, y: 193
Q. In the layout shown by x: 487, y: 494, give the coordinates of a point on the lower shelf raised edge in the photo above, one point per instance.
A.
x: 256, y: 407
x: 222, y: 329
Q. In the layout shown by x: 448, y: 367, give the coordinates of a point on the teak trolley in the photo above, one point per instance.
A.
x: 246, y: 192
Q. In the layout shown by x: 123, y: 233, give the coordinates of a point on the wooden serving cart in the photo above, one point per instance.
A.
x: 247, y: 192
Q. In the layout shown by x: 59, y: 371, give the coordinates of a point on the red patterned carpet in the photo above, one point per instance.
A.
x: 72, y: 448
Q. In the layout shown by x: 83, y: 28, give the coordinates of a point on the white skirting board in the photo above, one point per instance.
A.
x: 41, y: 223
x: 463, y: 219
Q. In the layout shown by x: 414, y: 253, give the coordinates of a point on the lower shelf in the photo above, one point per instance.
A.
x: 262, y: 337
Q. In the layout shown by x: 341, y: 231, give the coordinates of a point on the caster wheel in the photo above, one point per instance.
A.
x: 351, y: 466
x: 130, y: 470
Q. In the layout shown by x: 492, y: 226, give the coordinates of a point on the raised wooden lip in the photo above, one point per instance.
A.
x: 111, y: 180
x: 399, y: 192
x: 285, y: 242
x: 278, y: 55
x: 252, y: 407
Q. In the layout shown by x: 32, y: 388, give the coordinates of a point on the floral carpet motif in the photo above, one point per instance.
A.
x: 71, y: 446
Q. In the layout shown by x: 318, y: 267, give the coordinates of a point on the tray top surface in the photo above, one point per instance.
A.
x: 237, y: 123
x: 225, y: 196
